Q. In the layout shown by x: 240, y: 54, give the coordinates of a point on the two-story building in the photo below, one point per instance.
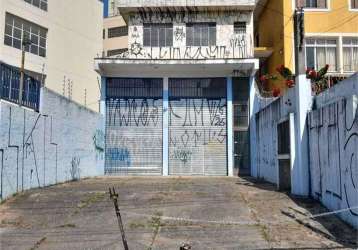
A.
x: 180, y: 100
x: 330, y: 30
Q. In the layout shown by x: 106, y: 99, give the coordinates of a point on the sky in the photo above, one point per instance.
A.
x: 105, y: 8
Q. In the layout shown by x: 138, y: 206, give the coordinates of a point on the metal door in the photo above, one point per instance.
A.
x: 134, y: 134
x: 197, y: 127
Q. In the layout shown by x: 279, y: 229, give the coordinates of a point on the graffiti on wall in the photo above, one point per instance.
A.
x: 228, y: 46
x: 334, y: 160
x: 36, y: 151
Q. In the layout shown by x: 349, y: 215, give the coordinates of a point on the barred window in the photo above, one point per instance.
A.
x: 240, y: 28
x: 354, y: 4
x: 42, y: 4
x: 18, y: 29
x: 118, y: 31
x: 158, y: 35
x: 201, y: 34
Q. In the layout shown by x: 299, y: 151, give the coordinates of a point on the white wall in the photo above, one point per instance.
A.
x: 333, y: 134
x: 40, y: 149
x: 267, y: 120
x: 74, y: 40
x: 228, y: 44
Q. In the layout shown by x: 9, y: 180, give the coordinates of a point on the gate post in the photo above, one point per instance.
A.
x: 165, y: 126
x: 230, y: 136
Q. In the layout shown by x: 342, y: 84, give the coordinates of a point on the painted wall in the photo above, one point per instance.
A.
x: 61, y: 143
x: 229, y: 45
x: 267, y: 120
x: 333, y: 133
x: 74, y: 39
x: 275, y: 30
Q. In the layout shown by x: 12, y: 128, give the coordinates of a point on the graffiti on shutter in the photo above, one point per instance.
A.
x: 134, y: 127
x: 197, y: 127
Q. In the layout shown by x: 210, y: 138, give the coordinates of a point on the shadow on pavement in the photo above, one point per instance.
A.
x: 330, y: 226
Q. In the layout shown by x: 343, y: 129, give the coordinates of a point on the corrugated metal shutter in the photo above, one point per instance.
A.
x: 197, y: 127
x: 134, y: 135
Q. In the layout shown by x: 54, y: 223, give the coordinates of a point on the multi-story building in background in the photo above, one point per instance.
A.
x: 115, y: 31
x: 115, y: 36
x: 63, y: 44
x: 180, y: 100
x: 330, y: 31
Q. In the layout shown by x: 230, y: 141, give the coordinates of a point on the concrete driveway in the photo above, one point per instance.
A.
x: 164, y: 213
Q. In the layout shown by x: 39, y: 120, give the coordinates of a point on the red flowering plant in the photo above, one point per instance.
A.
x: 285, y: 73
x: 318, y: 79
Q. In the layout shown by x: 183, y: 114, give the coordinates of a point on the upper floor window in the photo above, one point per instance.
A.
x: 319, y: 4
x: 201, y: 34
x: 118, y: 31
x: 158, y: 34
x: 17, y: 29
x: 350, y: 54
x: 320, y: 52
x: 354, y: 4
x: 116, y: 52
x: 42, y: 4
x: 240, y: 28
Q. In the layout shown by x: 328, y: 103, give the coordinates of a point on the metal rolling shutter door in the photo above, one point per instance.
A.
x: 197, y: 127
x: 134, y: 135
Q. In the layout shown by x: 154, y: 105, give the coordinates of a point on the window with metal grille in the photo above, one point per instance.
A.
x: 197, y: 88
x: 42, y: 4
x: 240, y: 28
x: 158, y: 34
x: 201, y: 34
x: 18, y: 29
x: 118, y: 31
x: 134, y: 88
x: 354, y: 4
x: 116, y: 52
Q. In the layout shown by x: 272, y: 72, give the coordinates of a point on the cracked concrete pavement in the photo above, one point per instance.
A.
x: 164, y: 213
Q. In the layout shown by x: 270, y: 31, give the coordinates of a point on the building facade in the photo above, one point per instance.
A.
x: 115, y: 36
x: 330, y: 30
x: 180, y: 100
x: 63, y: 44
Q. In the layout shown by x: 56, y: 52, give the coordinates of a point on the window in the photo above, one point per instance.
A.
x: 319, y: 4
x: 354, y: 4
x: 104, y: 34
x: 42, y: 4
x: 201, y: 34
x: 158, y: 35
x: 240, y: 28
x: 16, y: 29
x: 116, y: 52
x: 118, y: 32
x: 320, y: 52
x: 350, y: 54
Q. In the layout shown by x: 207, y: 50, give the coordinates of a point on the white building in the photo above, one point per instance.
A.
x: 66, y: 36
x: 180, y: 100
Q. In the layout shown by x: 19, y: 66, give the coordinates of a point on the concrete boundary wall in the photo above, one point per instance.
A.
x: 333, y: 142
x: 63, y: 142
x: 329, y: 169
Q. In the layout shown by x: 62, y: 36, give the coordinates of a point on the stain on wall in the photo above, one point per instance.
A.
x: 41, y: 149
